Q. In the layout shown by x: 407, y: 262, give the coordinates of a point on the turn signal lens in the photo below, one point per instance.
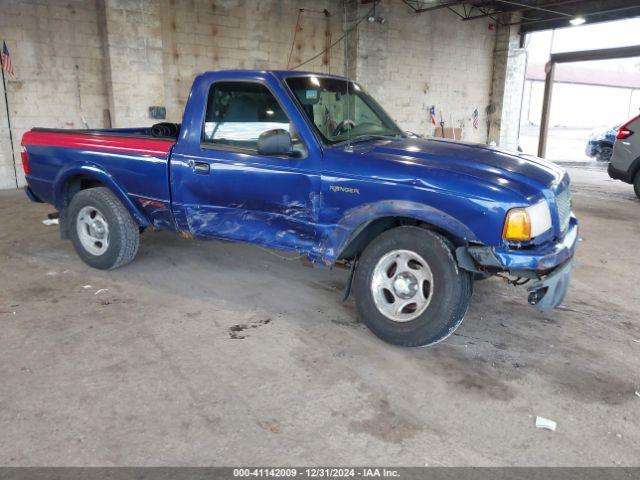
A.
x: 517, y: 226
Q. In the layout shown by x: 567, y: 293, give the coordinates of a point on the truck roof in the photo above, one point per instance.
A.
x: 280, y: 74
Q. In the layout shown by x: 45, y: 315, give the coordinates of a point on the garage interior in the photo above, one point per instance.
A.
x: 213, y: 353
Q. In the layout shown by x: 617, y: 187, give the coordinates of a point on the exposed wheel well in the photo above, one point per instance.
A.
x: 72, y: 186
x: 359, y: 241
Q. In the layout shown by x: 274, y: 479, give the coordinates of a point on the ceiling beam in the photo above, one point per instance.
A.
x: 521, y: 9
x: 600, y: 54
x: 590, y: 14
x: 442, y: 5
x: 409, y: 4
x: 534, y: 7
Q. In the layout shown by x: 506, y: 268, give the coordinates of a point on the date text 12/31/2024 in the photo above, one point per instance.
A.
x: 316, y: 472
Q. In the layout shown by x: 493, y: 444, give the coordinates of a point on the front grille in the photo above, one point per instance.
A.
x: 563, y: 202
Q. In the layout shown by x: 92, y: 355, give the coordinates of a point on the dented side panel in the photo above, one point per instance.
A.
x: 245, y: 200
x: 269, y: 200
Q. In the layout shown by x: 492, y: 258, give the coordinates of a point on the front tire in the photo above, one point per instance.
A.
x: 409, y: 289
x: 101, y: 229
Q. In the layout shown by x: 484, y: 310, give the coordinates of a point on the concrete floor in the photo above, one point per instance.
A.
x: 209, y: 353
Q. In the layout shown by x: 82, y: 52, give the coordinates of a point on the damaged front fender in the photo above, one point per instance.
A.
x: 338, y: 237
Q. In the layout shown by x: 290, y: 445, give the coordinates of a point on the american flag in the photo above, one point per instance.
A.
x: 475, y: 117
x: 432, y: 114
x: 7, y: 65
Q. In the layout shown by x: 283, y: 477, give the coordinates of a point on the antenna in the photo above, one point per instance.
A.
x: 346, y: 73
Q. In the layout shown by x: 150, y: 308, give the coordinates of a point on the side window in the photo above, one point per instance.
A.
x: 238, y: 112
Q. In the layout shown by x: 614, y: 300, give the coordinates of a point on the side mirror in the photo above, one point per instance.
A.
x: 275, y: 142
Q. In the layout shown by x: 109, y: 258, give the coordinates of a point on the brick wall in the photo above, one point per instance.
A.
x: 101, y: 63
x: 135, y: 74
x: 414, y: 61
x: 59, y: 71
x: 206, y: 35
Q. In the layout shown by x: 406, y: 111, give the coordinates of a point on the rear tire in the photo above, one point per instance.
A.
x: 101, y: 229
x: 413, y: 270
x: 636, y: 184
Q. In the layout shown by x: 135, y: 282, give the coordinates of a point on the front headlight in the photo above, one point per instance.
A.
x: 523, y: 224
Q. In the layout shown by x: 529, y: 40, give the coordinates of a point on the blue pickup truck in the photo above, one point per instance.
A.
x: 311, y: 163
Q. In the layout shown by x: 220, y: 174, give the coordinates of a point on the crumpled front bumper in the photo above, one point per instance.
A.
x: 528, y: 262
x: 548, y: 265
x: 549, y: 293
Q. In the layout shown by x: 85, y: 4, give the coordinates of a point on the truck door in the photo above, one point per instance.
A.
x: 223, y: 188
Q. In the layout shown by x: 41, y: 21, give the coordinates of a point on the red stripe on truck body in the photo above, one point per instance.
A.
x: 106, y: 143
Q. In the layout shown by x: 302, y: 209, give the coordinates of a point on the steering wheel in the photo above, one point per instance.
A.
x: 343, y: 126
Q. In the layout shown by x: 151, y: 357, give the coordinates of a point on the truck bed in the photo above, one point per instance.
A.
x: 139, y: 140
x: 132, y: 160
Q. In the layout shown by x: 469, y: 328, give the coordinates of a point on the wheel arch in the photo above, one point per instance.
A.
x: 75, y: 178
x: 634, y: 169
x: 359, y: 235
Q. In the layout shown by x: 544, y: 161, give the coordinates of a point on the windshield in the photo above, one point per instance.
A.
x: 341, y: 111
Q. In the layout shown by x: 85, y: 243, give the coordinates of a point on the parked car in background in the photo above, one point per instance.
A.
x: 600, y: 144
x: 625, y: 161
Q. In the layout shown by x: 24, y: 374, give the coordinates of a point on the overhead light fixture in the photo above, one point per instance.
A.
x: 376, y: 19
x: 373, y: 18
x: 577, y: 21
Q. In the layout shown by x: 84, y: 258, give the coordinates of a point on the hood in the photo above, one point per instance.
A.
x: 422, y: 158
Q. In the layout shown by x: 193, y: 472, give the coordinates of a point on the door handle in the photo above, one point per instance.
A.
x: 201, y: 168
